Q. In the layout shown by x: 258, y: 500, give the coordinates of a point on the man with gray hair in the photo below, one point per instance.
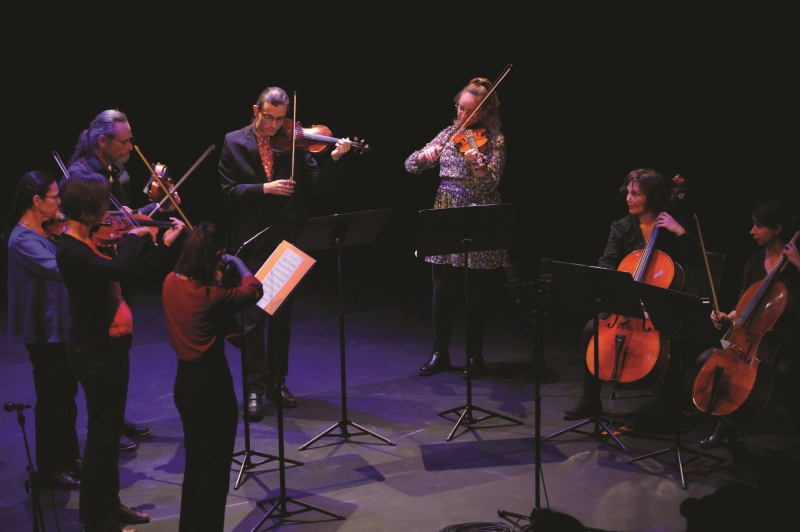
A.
x: 104, y: 147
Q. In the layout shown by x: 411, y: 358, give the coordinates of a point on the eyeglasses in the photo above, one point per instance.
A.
x: 54, y: 198
x: 269, y: 119
x: 462, y: 109
x: 125, y: 142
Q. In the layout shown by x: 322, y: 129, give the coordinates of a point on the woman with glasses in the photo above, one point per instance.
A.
x: 263, y: 200
x: 38, y: 314
x: 100, y: 337
x: 469, y: 176
x: 199, y: 314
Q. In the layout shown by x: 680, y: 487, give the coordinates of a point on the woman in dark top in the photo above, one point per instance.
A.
x: 773, y: 229
x: 647, y: 195
x: 39, y: 316
x: 199, y: 315
x: 100, y: 338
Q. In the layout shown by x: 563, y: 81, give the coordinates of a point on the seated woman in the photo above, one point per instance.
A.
x: 773, y: 229
x: 199, y: 314
x: 647, y: 196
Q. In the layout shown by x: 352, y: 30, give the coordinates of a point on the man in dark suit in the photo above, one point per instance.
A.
x: 267, y: 205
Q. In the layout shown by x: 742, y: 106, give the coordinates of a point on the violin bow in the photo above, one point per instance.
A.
x: 294, y: 132
x: 195, y: 165
x: 114, y: 201
x: 167, y: 193
x: 708, y: 268
x: 477, y: 107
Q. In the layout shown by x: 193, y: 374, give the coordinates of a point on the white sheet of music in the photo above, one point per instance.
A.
x: 288, y: 263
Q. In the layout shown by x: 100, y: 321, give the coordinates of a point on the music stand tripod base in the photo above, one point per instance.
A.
x: 279, y: 503
x: 598, y: 422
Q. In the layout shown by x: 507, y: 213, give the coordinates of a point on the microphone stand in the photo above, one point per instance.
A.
x: 538, y: 316
x: 32, y: 484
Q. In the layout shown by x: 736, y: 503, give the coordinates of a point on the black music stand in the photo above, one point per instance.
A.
x: 462, y: 230
x: 246, y: 462
x: 279, y: 502
x: 674, y: 314
x: 335, y: 232
x: 598, y: 290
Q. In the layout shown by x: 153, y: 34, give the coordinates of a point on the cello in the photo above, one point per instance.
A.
x: 632, y: 353
x: 737, y: 379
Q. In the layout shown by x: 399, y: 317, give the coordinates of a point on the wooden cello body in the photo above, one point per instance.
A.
x: 737, y: 379
x: 632, y: 353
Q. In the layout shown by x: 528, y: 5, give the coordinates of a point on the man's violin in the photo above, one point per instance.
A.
x: 315, y: 139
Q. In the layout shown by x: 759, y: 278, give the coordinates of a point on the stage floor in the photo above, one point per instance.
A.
x: 423, y: 483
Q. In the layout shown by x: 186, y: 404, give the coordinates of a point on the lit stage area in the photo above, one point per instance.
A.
x: 423, y: 483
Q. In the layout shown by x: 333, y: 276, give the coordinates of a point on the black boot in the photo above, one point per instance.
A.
x: 721, y: 431
x: 589, y: 405
x: 477, y: 367
x: 437, y: 363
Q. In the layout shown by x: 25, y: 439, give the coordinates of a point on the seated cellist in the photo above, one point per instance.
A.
x: 647, y: 195
x: 773, y: 229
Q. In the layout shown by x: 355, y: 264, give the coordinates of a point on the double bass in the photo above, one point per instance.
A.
x: 632, y: 353
x: 737, y: 378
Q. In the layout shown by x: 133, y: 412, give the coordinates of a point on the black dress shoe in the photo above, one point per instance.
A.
x: 58, y: 480
x: 109, y: 525
x: 254, y: 407
x: 721, y: 431
x: 477, y: 368
x: 126, y: 445
x: 437, y: 363
x: 123, y: 514
x: 131, y: 429
x: 587, y: 407
x: 287, y: 399
x: 75, y: 469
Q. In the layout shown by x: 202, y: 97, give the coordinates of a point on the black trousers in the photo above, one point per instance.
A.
x: 448, y: 292
x: 104, y: 377
x: 267, y: 341
x: 57, y: 446
x: 207, y: 404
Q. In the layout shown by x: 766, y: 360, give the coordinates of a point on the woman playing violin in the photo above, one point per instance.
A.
x: 647, y: 196
x: 468, y: 178
x: 100, y: 337
x: 773, y: 228
x: 199, y: 314
x: 38, y: 314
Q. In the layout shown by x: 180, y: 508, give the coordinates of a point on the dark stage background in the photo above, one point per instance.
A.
x: 590, y: 96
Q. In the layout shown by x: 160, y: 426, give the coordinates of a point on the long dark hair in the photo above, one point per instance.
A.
x: 32, y: 184
x: 201, y: 253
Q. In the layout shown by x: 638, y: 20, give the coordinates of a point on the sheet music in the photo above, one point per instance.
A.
x: 279, y: 275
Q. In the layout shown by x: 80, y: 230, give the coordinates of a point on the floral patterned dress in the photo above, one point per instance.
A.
x: 459, y: 187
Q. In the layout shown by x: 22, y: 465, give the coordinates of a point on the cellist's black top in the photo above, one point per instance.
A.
x: 626, y: 237
x: 754, y: 272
